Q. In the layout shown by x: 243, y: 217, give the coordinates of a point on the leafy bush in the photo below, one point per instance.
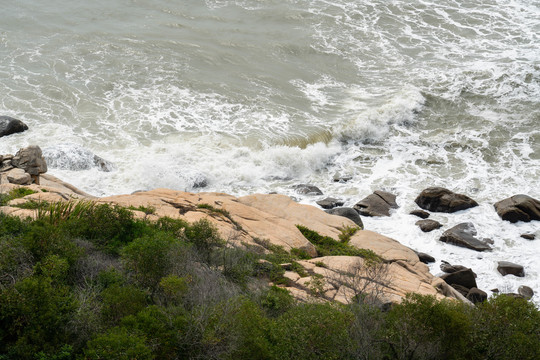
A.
x: 118, y: 344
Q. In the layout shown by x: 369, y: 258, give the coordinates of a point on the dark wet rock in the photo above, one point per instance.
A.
x: 330, y: 203
x: 488, y: 241
x: 420, y: 213
x: 476, y: 296
x: 200, y: 182
x: 428, y: 225
x: 306, y: 189
x: 463, y: 235
x: 31, y: 160
x: 9, y: 125
x: 347, y: 212
x: 449, y: 268
x: 528, y: 236
x: 526, y: 292
x: 518, y: 208
x: 443, y: 200
x: 461, y: 289
x: 75, y: 157
x: 425, y: 258
x: 465, y: 277
x: 377, y: 204
x: 506, y: 268
x: 496, y: 291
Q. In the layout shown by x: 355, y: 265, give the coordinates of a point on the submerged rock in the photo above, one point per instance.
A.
x: 420, y: 213
x: 377, y: 204
x: 443, y: 200
x: 428, y: 225
x: 463, y: 235
x: 9, y: 125
x: 506, y: 267
x: 306, y: 189
x: 518, y: 208
x: 75, y: 157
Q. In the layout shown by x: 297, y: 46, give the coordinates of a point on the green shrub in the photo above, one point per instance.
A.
x: 15, y: 194
x: 118, y: 344
x: 347, y: 232
x: 122, y: 300
x: 276, y: 301
x: 205, y: 237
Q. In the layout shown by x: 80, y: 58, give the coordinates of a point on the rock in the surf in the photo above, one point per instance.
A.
x: 75, y: 157
x: 420, y: 213
x: 509, y: 268
x: 307, y: 189
x: 443, y: 200
x: 449, y: 268
x: 428, y: 225
x: 463, y: 277
x: 464, y: 235
x: 518, y: 208
x: 9, y: 125
x: 347, y: 212
x: 528, y: 236
x: 425, y: 258
x: 330, y: 203
x: 526, y: 292
x: 377, y: 204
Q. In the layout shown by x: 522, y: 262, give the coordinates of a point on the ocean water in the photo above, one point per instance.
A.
x: 259, y: 95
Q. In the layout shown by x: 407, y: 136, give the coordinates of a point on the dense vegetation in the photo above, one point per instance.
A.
x: 88, y: 281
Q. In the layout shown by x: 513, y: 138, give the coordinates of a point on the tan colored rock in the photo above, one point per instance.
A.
x: 18, y: 176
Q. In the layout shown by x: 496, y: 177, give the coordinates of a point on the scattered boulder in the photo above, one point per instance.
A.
x: 518, y: 208
x: 449, y: 268
x: 420, y: 213
x: 526, y: 292
x: 506, y: 267
x: 465, y: 277
x: 377, y: 204
x: 425, y: 258
x: 330, y: 203
x: 428, y: 225
x: 463, y: 235
x: 476, y: 295
x: 341, y: 178
x: 528, y: 236
x: 31, y: 160
x: 347, y: 212
x: 9, y: 125
x: 19, y: 177
x: 461, y: 289
x: 306, y: 189
x: 443, y: 200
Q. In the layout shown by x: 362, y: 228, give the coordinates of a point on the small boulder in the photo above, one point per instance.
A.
x: 428, y: 225
x: 330, y: 203
x: 30, y: 160
x: 19, y: 177
x: 528, y: 236
x: 377, y: 204
x: 341, y: 178
x: 9, y: 125
x: 306, y: 189
x: 506, y: 267
x: 420, y: 213
x: 526, y: 292
x: 518, y: 208
x: 347, y: 212
x: 425, y: 258
x: 449, y: 268
x: 463, y: 277
x: 443, y: 200
x: 463, y: 235
x: 476, y: 296
x: 461, y: 289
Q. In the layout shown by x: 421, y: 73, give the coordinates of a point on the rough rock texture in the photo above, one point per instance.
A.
x: 420, y: 213
x: 31, y: 160
x: 377, y: 204
x: 9, y: 125
x: 443, y: 200
x: 476, y: 295
x: 449, y: 268
x: 18, y: 176
x: 518, y: 208
x: 306, y: 189
x: 463, y: 235
x: 506, y: 268
x: 428, y: 225
x: 347, y: 212
x: 463, y: 277
x: 526, y: 292
x: 330, y: 203
x: 257, y: 220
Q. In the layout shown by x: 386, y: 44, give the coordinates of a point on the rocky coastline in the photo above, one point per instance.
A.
x: 257, y: 220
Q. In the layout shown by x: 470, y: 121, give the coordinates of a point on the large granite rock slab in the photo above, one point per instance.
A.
x: 518, y: 208
x: 377, y: 204
x: 443, y: 200
x: 9, y: 125
x: 464, y: 235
